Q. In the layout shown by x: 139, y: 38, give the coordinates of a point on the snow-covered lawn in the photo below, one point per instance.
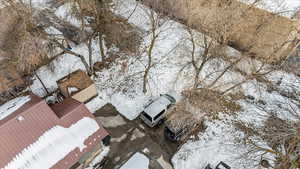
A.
x: 283, y: 7
x: 65, y: 11
x: 129, y: 103
x: 123, y: 89
x: 215, y: 145
x: 163, y: 76
x: 219, y: 141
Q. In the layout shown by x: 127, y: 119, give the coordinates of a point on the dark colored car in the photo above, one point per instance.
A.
x: 221, y: 165
x: 173, y: 135
x: 180, y: 124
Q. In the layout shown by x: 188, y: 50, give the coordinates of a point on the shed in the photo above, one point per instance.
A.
x: 78, y: 85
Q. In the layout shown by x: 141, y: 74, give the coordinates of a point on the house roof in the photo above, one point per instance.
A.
x: 17, y: 106
x: 35, y: 131
x: 13, y: 105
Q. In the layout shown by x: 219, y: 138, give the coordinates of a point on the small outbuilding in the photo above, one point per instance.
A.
x: 78, y: 85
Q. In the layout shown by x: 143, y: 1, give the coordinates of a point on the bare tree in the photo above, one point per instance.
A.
x: 204, y: 56
x: 277, y: 141
x: 29, y: 49
x: 154, y: 20
x: 242, y: 26
x: 157, y: 23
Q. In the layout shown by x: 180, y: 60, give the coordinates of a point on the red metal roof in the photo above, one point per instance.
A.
x: 38, y: 117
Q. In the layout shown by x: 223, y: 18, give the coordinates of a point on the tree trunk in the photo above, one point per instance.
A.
x: 149, y: 53
x: 145, y: 80
x: 196, y: 80
x: 91, y: 55
x: 44, y: 86
x: 224, y: 71
x: 86, y: 65
x: 101, y: 47
x: 211, y: 19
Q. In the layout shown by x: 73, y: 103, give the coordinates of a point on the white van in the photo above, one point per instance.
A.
x: 154, y: 112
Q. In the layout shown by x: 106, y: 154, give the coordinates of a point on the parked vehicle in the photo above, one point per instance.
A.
x: 221, y: 165
x: 181, y: 124
x: 155, y: 109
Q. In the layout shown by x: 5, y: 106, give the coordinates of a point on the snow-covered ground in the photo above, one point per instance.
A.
x: 130, y: 103
x: 65, y: 12
x: 218, y: 142
x: 215, y: 145
x: 163, y: 76
x: 123, y: 88
x: 283, y: 7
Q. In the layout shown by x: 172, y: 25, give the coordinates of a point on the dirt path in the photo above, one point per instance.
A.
x: 129, y: 137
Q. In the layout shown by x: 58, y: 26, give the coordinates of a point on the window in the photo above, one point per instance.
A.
x: 149, y: 103
x: 160, y: 114
x: 179, y: 132
x: 169, y: 132
x: 171, y: 98
x: 147, y: 116
x: 169, y: 106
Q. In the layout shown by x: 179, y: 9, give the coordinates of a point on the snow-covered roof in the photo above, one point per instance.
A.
x: 157, y: 106
x: 37, y: 136
x: 12, y: 106
x: 137, y: 161
x: 54, y: 145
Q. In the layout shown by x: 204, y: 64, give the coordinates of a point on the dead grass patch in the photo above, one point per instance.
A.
x: 107, y: 63
x: 210, y: 102
x: 122, y: 34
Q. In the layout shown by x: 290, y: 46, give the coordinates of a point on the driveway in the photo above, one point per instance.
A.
x: 129, y: 137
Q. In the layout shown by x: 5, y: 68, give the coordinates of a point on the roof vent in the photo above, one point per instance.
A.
x: 20, y: 118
